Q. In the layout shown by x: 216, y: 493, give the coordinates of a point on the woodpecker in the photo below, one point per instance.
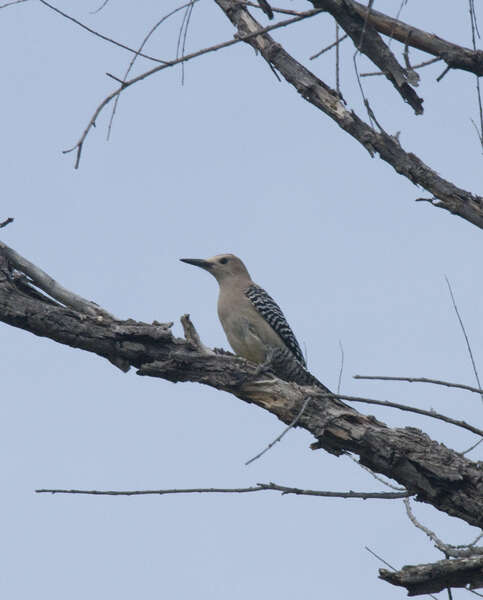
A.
x: 253, y: 322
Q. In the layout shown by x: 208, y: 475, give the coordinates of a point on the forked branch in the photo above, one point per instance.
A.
x: 437, y: 475
x: 445, y: 194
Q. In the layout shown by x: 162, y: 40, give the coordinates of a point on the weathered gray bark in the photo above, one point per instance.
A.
x: 438, y: 475
x: 445, y: 194
x: 456, y: 57
x: 434, y: 577
x: 368, y: 41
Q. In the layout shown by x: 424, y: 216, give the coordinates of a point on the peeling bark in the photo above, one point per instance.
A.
x: 435, y: 577
x: 367, y: 40
x: 444, y: 193
x: 437, y: 475
x: 456, y: 57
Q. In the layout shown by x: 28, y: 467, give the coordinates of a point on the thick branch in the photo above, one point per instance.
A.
x: 311, y: 88
x: 49, y: 285
x: 369, y: 42
x: 434, y: 577
x: 456, y: 57
x: 438, y: 475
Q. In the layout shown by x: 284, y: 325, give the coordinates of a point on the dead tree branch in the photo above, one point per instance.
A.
x: 434, y: 577
x: 100, y: 35
x: 182, y: 59
x: 311, y: 88
x: 448, y: 549
x: 6, y: 222
x: 369, y: 42
x: 49, y: 285
x: 437, y: 475
x: 260, y: 487
x: 461, y: 386
x: 456, y: 57
x: 405, y: 407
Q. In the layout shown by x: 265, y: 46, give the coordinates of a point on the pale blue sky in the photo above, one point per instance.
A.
x: 233, y: 161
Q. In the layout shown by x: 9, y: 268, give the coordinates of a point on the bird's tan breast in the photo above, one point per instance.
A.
x: 248, y: 333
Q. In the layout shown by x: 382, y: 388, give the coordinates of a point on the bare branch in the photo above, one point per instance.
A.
x: 329, y: 47
x: 283, y: 11
x: 138, y: 53
x: 260, y: 487
x: 315, y: 91
x: 99, y: 8
x: 12, y: 3
x: 461, y: 386
x: 369, y: 42
x: 378, y: 477
x: 472, y: 447
x: 404, y: 407
x: 50, y: 286
x: 474, y: 33
x: 78, y: 147
x: 456, y: 57
x: 341, y: 370
x: 448, y: 549
x: 467, y: 341
x: 279, y: 437
x: 379, y: 558
x: 420, y: 65
x: 100, y: 35
x: 6, y: 222
x: 434, y: 577
x: 439, y: 476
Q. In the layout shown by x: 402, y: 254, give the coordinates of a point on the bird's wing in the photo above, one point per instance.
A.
x: 273, y: 315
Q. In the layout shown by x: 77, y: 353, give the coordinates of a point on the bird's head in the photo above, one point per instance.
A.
x: 222, y: 266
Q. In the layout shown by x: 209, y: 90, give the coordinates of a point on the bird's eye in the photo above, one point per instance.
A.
x: 223, y: 260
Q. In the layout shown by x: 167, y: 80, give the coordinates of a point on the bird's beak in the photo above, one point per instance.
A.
x: 197, y: 262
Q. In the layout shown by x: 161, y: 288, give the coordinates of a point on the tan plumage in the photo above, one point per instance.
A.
x: 252, y: 320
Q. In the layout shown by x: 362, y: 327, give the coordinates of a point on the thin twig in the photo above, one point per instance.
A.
x: 379, y: 558
x: 6, y: 222
x: 183, y: 34
x: 378, y: 477
x: 474, y: 33
x: 396, y: 18
x: 447, y: 549
x: 472, y: 447
x: 78, y: 146
x: 133, y: 59
x: 93, y: 12
x: 418, y: 66
x: 260, y: 487
x: 100, y: 35
x: 337, y: 59
x: 283, y: 11
x: 370, y: 114
x: 359, y: 82
x: 11, y: 3
x: 286, y: 430
x: 440, y: 77
x: 341, y: 370
x: 329, y: 47
x: 462, y: 386
x: 404, y: 407
x: 468, y: 345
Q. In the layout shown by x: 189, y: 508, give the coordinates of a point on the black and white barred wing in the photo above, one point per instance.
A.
x: 272, y: 313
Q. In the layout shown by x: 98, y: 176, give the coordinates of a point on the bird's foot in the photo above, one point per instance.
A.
x: 266, y: 365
